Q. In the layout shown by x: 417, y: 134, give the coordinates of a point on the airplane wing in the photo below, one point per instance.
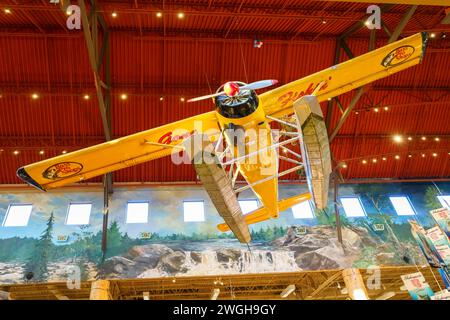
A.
x: 116, y: 154
x: 348, y: 75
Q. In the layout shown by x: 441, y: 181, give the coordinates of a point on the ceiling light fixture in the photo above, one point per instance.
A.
x: 423, y: 138
x: 397, y: 138
x: 86, y: 97
x: 376, y: 109
x: 434, y: 154
x: 287, y: 291
x: 114, y: 14
x: 386, y: 108
x: 180, y: 15
x: 397, y: 157
x: 35, y: 96
x: 41, y: 152
x: 410, y: 138
x: 423, y: 155
x: 124, y: 96
x: 159, y: 14
x: 436, y: 139
x: 16, y: 152
x: 374, y: 160
x: 364, y: 161
x: 433, y: 35
x: 182, y: 99
x: 409, y: 155
x: 384, y: 158
x: 7, y: 10
x: 64, y: 152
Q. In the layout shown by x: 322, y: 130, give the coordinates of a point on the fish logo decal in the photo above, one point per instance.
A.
x: 62, y: 170
x: 398, y: 56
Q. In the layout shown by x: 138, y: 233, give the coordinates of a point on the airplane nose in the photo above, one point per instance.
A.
x: 231, y: 89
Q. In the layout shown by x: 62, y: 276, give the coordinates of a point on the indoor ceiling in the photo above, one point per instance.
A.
x: 178, y: 57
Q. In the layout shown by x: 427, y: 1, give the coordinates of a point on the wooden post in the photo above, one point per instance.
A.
x: 100, y: 290
x: 355, y: 284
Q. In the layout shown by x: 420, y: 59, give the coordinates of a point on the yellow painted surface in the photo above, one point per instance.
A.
x: 261, y: 214
x: 343, y: 77
x: 120, y: 153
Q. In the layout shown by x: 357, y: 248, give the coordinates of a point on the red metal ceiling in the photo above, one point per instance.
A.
x: 212, y: 44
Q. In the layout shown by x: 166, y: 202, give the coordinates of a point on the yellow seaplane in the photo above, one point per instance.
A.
x: 254, y: 154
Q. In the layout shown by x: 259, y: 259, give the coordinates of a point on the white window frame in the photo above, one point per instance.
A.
x: 203, y: 213
x: 68, y: 211
x: 248, y: 200
x: 139, y: 202
x: 444, y: 200
x: 360, y: 204
x: 409, y: 202
x: 311, y: 208
x: 8, y: 213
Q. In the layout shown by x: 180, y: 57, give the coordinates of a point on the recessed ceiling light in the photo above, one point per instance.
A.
x: 86, y: 97
x: 364, y: 161
x: 180, y: 15
x: 433, y: 35
x: 409, y: 155
x: 64, y: 152
x: 356, y: 112
x: 434, y: 154
x: 344, y: 165
x: 324, y: 21
x: 397, y: 157
x: 124, y: 96
x: 161, y: 98
x: 35, y: 96
x: 41, y: 152
x: 424, y: 138
x: 384, y: 158
x: 436, y: 139
x: 7, y: 10
x: 376, y: 109
x: 159, y: 14
x: 114, y: 14
x: 397, y: 138
x: 16, y: 152
x: 367, y: 22
x: 423, y: 155
x: 374, y: 160
x: 409, y: 138
x: 386, y: 108
x: 182, y: 99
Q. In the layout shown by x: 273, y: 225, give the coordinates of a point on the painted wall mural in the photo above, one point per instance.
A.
x: 47, y: 249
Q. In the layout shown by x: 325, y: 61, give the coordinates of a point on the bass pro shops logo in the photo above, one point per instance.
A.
x: 397, y: 56
x: 62, y: 170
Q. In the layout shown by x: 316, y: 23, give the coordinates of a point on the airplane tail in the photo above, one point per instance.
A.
x: 262, y: 214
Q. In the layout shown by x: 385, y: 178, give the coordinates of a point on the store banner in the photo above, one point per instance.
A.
x: 441, y: 295
x: 441, y: 243
x: 442, y: 218
x: 417, y: 287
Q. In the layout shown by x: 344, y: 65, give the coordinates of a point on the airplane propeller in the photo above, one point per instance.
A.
x: 232, y: 88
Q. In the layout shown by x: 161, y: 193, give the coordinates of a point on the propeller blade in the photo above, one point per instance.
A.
x: 259, y: 84
x: 206, y: 97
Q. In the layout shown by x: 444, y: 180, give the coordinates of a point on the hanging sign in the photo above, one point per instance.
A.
x: 417, y: 287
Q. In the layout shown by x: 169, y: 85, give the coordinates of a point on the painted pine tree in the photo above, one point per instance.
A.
x: 38, y: 261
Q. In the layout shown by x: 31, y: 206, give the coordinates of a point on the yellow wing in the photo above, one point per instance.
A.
x: 348, y: 75
x: 116, y: 154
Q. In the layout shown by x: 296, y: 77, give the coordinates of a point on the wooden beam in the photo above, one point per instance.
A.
x: 412, y: 2
x: 398, y: 30
x: 324, y: 285
x: 346, y: 113
x: 100, y: 290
